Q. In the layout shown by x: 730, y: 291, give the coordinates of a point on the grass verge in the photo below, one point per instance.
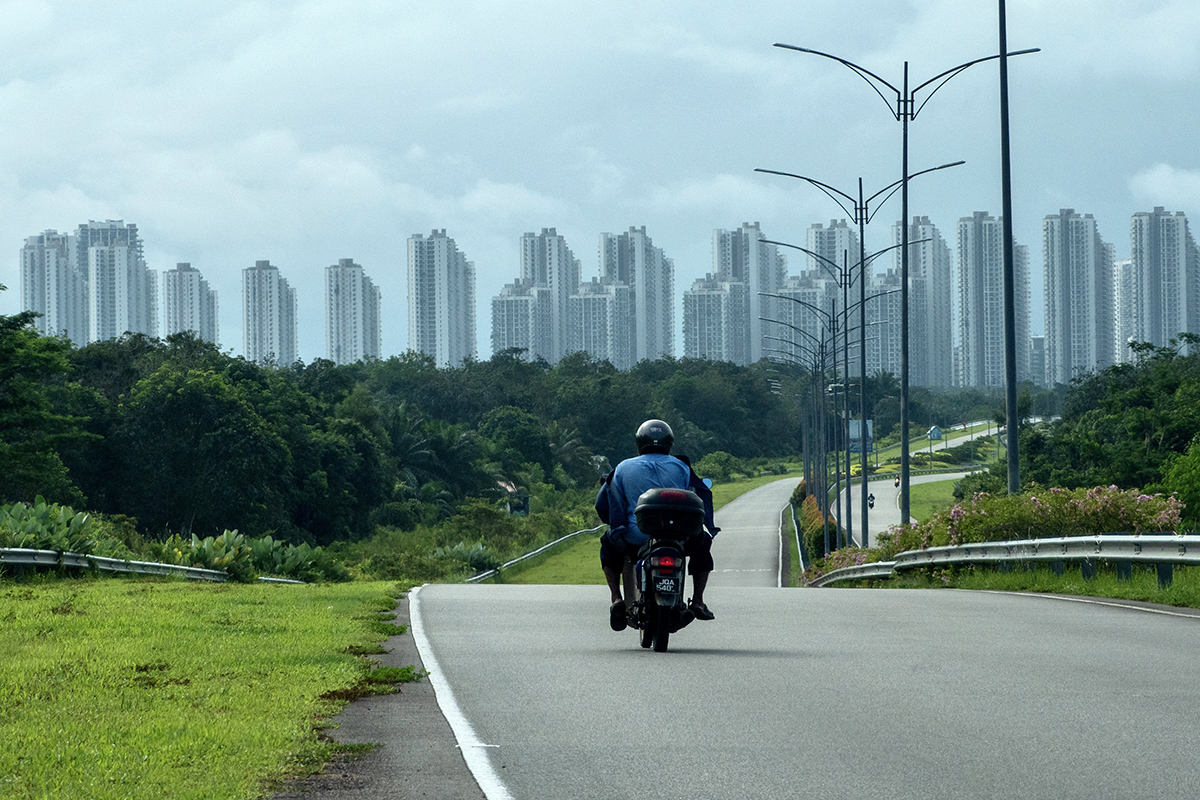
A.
x: 926, y: 499
x: 119, y: 688
x: 1142, y: 586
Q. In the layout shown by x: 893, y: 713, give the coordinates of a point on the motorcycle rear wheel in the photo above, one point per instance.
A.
x: 649, y: 619
x: 662, y: 633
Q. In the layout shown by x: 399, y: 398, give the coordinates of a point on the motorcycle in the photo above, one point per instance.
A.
x: 656, y: 579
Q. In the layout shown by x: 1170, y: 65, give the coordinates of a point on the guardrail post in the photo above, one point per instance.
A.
x: 1087, y: 568
x: 1166, y: 575
x: 1058, y: 567
x: 1124, y: 570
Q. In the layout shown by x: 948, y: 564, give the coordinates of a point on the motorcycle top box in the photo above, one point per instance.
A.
x: 675, y: 514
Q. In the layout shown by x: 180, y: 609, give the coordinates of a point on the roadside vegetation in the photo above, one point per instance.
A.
x: 144, y: 688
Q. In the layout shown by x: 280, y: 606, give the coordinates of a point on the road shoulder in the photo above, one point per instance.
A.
x: 418, y: 756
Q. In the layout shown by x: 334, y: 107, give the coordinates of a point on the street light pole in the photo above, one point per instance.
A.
x: 905, y: 109
x: 861, y: 215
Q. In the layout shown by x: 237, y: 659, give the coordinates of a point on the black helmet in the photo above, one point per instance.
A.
x: 654, y: 436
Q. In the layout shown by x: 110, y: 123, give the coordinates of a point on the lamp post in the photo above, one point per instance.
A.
x: 818, y: 427
x: 906, y: 108
x: 862, y: 216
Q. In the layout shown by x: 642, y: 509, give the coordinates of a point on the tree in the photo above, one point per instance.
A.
x: 195, y: 456
x: 30, y: 427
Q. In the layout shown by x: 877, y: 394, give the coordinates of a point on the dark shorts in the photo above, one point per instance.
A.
x: 614, y: 549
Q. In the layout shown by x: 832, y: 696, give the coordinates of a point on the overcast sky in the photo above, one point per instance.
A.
x: 305, y: 132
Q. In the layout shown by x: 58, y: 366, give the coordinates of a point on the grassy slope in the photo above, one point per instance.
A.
x: 120, y: 688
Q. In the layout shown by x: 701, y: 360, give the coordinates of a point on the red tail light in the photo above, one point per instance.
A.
x: 664, y: 561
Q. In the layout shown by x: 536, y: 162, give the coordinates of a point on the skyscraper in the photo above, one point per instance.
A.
x: 1165, y: 296
x: 54, y: 286
x: 632, y: 259
x: 531, y: 313
x: 441, y: 299
x: 188, y: 303
x: 268, y: 315
x: 715, y: 318
x: 352, y: 327
x: 599, y: 318
x: 1079, y: 314
x: 122, y: 290
x: 744, y: 266
x: 930, y: 298
x: 981, y: 302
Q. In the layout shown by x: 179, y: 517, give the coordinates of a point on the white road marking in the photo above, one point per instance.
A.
x: 473, y: 750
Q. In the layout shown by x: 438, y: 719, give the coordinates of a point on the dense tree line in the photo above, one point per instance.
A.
x: 184, y: 438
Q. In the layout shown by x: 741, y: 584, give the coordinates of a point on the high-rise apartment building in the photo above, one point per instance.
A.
x: 724, y: 312
x: 930, y: 304
x: 716, y: 315
x: 188, y: 303
x: 1079, y: 295
x: 441, y: 299
x: 632, y: 260
x: 352, y: 324
x: 1127, y: 327
x: 54, y: 286
x: 981, y: 337
x: 531, y: 314
x: 122, y: 290
x: 599, y: 317
x: 1165, y: 285
x: 268, y: 315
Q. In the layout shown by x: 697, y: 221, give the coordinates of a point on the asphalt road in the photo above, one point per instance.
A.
x: 821, y: 693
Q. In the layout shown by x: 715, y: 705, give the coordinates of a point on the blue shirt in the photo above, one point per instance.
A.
x: 632, y: 477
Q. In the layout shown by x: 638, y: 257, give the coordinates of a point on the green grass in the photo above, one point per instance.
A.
x: 575, y: 563
x: 728, y: 492
x: 119, y: 688
x: 1184, y: 590
x: 926, y: 499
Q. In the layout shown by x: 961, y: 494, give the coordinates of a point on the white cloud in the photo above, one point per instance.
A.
x: 1165, y: 185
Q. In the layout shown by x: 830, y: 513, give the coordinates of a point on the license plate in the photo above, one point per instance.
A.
x: 665, y: 585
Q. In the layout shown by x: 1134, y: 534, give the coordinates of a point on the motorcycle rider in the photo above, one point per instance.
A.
x: 654, y: 467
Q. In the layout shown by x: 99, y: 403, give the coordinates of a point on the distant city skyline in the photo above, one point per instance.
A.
x: 627, y: 312
x: 236, y: 131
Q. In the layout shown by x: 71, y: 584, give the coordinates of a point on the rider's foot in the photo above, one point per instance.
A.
x: 700, y: 610
x: 617, y: 619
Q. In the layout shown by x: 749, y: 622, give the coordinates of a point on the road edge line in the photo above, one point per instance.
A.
x: 473, y: 750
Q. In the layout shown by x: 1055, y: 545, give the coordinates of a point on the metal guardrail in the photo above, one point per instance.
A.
x: 52, y: 558
x: 878, y: 569
x: 483, y: 576
x: 1160, y: 548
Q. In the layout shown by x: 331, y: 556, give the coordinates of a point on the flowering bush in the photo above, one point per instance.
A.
x: 1039, y: 514
x: 845, y: 557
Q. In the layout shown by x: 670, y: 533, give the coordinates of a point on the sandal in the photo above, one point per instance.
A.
x: 700, y: 610
x: 617, y: 619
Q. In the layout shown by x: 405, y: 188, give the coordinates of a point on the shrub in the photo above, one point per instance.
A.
x: 719, y: 466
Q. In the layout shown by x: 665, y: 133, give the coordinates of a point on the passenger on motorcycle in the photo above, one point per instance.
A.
x: 653, y: 468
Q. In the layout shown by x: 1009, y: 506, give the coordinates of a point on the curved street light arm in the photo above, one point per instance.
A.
x: 894, y: 187
x: 793, y: 344
x: 793, y: 327
x: 819, y: 310
x: 834, y: 194
x: 953, y: 71
x: 861, y: 72
x: 877, y: 254
x: 822, y: 260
